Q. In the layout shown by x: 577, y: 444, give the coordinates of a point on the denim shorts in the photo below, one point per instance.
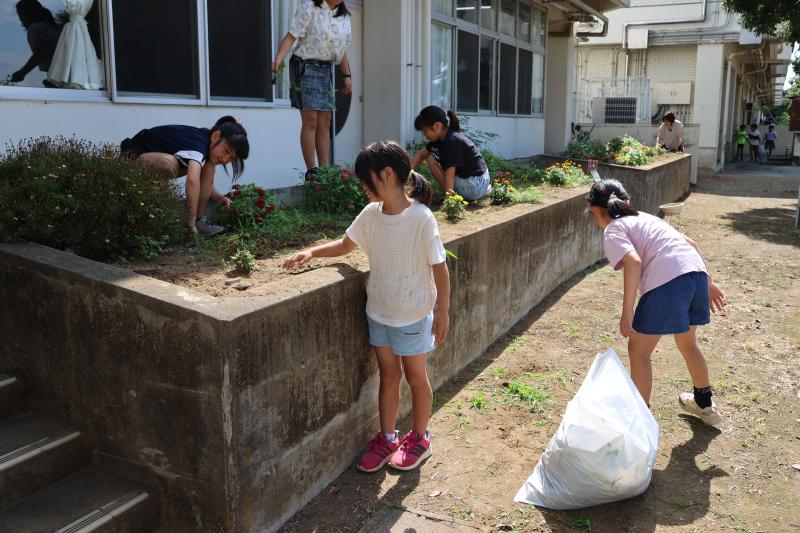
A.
x: 474, y: 188
x: 675, y: 306
x: 311, y: 85
x: 414, y: 339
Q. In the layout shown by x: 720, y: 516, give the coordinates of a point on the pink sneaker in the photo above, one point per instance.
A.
x: 414, y: 449
x: 379, y: 452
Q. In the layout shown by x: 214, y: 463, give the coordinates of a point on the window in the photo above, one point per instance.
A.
x: 538, y: 84
x: 167, y: 61
x: 442, y: 66
x: 467, y: 10
x: 499, y: 56
x: 284, y: 12
x: 487, y: 74
x: 30, y: 34
x: 508, y: 16
x: 444, y: 7
x: 489, y: 14
x: 239, y: 51
x: 507, y: 80
x: 467, y: 83
x: 524, y: 81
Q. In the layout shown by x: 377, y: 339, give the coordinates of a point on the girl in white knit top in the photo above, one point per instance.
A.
x: 408, y: 274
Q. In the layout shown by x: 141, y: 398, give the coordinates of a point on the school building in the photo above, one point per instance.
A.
x: 509, y: 65
x: 688, y: 56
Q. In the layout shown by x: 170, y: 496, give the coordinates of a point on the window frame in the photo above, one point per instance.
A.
x: 499, y: 38
x: 111, y: 95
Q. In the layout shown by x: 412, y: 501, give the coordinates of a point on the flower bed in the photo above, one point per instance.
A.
x: 619, y: 150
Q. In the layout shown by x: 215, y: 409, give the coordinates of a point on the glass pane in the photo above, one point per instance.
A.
x: 441, y: 66
x: 29, y: 36
x: 283, y: 14
x: 487, y: 74
x: 524, y: 22
x: 524, y: 80
x: 467, y: 10
x: 171, y: 30
x: 239, y: 50
x: 489, y: 14
x: 445, y: 7
x: 508, y: 16
x: 507, y: 79
x: 467, y: 81
x: 538, y: 84
x: 539, y: 28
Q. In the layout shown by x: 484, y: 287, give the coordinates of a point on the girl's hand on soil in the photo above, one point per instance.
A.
x: 718, y: 298
x: 348, y: 86
x: 441, y: 326
x: 626, y: 325
x: 297, y: 260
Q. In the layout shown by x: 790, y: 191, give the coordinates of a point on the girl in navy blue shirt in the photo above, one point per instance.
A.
x: 453, y: 158
x: 193, y: 152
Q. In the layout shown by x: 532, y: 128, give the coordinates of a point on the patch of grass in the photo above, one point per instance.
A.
x: 582, y: 524
x: 519, y: 342
x: 526, y: 195
x: 762, y: 303
x: 570, y: 328
x: 529, y: 395
x: 499, y: 372
x: 560, y: 377
x: 478, y: 401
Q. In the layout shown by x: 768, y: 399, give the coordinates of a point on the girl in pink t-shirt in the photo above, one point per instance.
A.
x: 677, y: 294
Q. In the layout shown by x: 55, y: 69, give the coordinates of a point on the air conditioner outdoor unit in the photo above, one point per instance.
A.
x: 614, y: 109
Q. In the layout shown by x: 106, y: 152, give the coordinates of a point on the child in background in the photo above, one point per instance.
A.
x: 408, y: 273
x: 677, y: 294
x: 741, y: 140
x: 754, y: 138
x: 177, y: 151
x: 769, y: 140
x: 456, y: 162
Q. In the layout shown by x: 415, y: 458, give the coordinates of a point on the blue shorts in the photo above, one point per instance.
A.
x: 414, y: 339
x: 675, y: 306
x: 473, y: 188
x: 311, y: 85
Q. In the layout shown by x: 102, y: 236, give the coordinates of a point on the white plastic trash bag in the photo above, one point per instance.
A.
x: 605, y: 448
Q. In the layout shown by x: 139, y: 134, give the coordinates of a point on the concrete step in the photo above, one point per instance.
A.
x: 12, y: 397
x: 35, y: 451
x: 88, y: 500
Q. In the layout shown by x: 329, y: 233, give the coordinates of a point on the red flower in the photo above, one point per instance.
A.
x: 260, y: 191
x: 260, y: 203
x: 237, y: 194
x: 344, y: 177
x: 318, y: 188
x: 270, y: 208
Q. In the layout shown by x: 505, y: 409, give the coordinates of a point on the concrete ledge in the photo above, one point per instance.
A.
x: 240, y: 411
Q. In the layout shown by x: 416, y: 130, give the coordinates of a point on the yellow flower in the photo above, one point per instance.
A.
x: 512, y: 189
x: 506, y: 182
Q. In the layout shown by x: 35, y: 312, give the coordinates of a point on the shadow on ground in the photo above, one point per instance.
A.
x: 773, y: 224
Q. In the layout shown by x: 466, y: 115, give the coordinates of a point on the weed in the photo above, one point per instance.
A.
x: 499, y: 372
x: 559, y: 377
x: 534, y: 397
x: 243, y: 260
x: 478, y: 401
x: 570, y: 328
x: 582, y: 524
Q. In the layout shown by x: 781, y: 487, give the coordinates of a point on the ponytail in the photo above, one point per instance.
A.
x: 232, y: 132
x: 611, y: 195
x: 388, y: 154
x: 454, y: 124
x: 433, y: 114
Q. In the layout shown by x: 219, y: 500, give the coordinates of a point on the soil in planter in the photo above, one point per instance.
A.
x: 206, y: 272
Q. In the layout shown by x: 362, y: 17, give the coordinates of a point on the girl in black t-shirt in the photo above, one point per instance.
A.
x: 454, y: 160
x: 195, y: 153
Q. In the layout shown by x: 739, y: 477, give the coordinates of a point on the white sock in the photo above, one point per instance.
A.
x: 391, y: 437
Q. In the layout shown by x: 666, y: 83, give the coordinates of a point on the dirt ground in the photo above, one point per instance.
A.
x: 738, y: 477
x: 206, y: 273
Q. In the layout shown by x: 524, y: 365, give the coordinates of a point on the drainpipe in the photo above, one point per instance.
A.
x: 726, y: 116
x: 627, y: 25
x: 593, y: 12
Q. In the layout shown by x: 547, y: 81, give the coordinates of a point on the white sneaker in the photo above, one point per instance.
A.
x: 710, y: 415
x: 207, y: 229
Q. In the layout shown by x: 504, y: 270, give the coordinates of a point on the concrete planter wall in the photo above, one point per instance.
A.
x: 242, y: 410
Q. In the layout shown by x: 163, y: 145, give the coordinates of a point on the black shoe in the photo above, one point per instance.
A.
x: 312, y: 174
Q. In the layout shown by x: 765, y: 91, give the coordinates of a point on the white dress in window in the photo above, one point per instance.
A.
x: 75, y: 64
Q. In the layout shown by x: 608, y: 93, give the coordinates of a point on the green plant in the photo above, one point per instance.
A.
x: 69, y: 193
x: 243, y: 260
x: 588, y: 150
x: 566, y: 174
x: 454, y: 205
x: 250, y: 207
x: 534, y: 397
x: 478, y: 401
x: 501, y: 188
x: 335, y: 190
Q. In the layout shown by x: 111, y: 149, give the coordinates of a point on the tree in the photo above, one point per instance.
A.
x: 776, y: 18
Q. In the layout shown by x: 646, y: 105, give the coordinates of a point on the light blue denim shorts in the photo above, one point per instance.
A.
x: 474, y: 188
x: 414, y: 339
x: 311, y: 85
